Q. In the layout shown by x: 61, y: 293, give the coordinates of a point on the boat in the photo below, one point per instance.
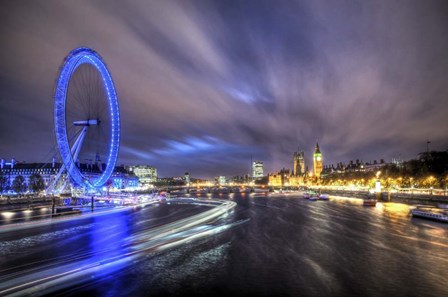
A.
x: 261, y: 190
x: 442, y: 205
x: 310, y: 194
x: 369, y: 202
x: 323, y: 197
x: 432, y: 213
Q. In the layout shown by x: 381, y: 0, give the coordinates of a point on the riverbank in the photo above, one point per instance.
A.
x: 22, y: 203
x: 407, y: 198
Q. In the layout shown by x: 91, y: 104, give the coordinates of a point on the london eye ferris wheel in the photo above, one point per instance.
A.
x: 86, y: 119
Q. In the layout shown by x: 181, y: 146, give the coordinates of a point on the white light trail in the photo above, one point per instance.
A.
x: 71, y: 272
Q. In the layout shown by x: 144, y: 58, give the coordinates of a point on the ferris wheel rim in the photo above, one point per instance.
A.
x: 76, y: 58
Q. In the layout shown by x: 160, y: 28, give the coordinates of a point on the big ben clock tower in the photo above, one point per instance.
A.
x: 317, y: 160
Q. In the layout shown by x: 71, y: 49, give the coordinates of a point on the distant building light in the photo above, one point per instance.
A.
x: 257, y: 169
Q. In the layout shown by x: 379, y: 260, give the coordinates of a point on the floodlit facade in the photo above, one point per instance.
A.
x: 299, y: 163
x: 120, y: 178
x: 257, y: 169
x: 10, y: 170
x: 221, y: 180
x: 317, y: 160
x: 146, y: 174
x: 284, y: 178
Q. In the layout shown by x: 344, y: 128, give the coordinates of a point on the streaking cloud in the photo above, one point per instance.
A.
x: 190, y: 145
x: 221, y: 81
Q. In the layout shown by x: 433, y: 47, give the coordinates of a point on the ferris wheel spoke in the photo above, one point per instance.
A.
x: 78, y: 87
x: 74, y: 114
x: 85, y: 88
x: 79, y: 97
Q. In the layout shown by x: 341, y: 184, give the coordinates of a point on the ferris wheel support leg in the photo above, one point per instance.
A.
x: 77, y: 146
x: 75, y: 152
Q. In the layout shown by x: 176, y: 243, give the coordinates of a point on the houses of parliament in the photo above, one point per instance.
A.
x: 300, y: 174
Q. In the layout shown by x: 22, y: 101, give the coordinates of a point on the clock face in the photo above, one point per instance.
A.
x: 318, y: 158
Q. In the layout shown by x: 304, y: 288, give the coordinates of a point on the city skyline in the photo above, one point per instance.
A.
x: 204, y: 86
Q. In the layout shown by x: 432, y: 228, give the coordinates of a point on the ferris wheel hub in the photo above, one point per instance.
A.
x: 87, y: 123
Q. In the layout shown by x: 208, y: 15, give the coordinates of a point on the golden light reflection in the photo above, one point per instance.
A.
x: 395, y: 209
x: 351, y: 200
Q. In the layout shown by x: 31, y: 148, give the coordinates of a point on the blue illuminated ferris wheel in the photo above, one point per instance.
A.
x: 87, y: 119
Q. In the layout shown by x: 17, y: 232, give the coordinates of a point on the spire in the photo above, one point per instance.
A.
x: 317, y: 150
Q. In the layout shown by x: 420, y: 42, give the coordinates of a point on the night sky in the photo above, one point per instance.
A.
x: 205, y: 85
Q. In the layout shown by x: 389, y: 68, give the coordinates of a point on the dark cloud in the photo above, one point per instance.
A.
x: 205, y: 85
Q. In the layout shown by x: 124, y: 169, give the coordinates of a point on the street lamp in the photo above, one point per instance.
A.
x: 378, y: 183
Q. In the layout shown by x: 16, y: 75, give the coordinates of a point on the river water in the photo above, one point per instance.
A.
x: 284, y: 246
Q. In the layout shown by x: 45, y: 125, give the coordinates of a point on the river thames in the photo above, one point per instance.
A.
x: 274, y: 245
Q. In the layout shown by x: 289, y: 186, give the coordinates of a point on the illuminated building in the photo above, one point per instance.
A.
x: 241, y: 179
x: 120, y: 179
x: 279, y: 179
x: 146, y: 174
x: 187, y: 178
x: 275, y: 179
x: 220, y: 180
x: 317, y: 160
x: 299, y: 163
x: 296, y: 181
x: 10, y: 170
x: 123, y: 179
x: 257, y: 169
x: 354, y: 166
x: 172, y: 181
x: 374, y: 166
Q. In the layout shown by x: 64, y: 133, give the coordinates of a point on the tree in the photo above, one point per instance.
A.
x: 36, y: 183
x: 18, y: 184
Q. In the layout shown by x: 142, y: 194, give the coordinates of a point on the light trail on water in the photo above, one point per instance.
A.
x: 47, y: 278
